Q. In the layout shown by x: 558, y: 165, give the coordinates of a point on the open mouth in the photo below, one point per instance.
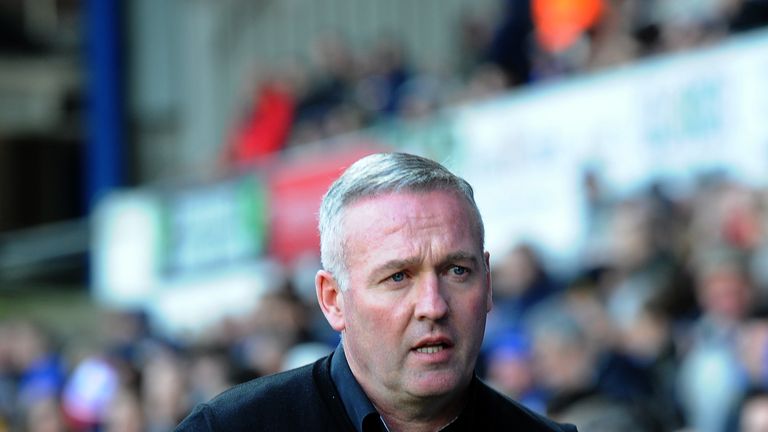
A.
x: 432, y: 345
x: 430, y: 349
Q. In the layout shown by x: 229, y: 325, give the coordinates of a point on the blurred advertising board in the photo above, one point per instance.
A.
x: 202, y: 242
x: 670, y: 119
x: 295, y: 191
x: 673, y: 119
x: 193, y: 255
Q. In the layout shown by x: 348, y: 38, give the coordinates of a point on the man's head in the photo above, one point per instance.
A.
x: 406, y: 239
x: 375, y: 175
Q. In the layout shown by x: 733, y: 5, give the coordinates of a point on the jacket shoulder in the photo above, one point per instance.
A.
x: 504, y: 413
x: 272, y: 389
x: 285, y: 401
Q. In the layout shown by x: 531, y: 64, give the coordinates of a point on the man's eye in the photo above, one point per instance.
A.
x: 459, y: 270
x: 398, y: 277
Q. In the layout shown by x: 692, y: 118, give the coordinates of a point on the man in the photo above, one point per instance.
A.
x: 406, y: 281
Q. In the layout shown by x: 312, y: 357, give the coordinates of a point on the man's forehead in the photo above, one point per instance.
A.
x: 393, y: 208
x: 411, y: 226
x: 373, y: 212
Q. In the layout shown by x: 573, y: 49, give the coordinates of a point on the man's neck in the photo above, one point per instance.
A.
x: 423, y: 416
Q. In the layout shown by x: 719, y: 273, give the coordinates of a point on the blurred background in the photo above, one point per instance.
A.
x: 162, y: 162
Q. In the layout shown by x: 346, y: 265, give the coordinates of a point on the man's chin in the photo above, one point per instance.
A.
x: 437, y: 383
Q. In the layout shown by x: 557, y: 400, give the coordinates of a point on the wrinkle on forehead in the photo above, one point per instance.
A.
x: 426, y: 226
x: 416, y: 209
x: 413, y: 218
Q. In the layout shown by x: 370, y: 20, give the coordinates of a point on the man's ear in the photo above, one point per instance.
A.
x: 488, y: 281
x: 330, y: 299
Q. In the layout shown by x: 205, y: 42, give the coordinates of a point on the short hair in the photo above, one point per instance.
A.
x: 376, y: 175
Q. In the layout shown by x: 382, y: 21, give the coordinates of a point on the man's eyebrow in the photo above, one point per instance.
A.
x: 396, y: 264
x: 391, y: 266
x: 399, y: 264
x: 461, y: 256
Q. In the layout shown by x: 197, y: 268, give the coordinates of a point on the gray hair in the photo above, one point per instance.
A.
x: 375, y: 175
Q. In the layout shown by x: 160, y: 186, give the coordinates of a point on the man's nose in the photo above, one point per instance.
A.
x: 431, y: 303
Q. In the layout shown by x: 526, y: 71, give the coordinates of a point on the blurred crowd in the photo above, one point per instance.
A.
x: 663, y: 325
x: 342, y: 87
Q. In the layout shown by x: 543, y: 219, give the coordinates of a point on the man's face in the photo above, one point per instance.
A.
x: 413, y: 315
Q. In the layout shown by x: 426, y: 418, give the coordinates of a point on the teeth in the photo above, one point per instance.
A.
x: 430, y: 349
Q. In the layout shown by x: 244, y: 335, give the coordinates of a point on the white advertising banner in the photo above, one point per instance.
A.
x: 670, y: 119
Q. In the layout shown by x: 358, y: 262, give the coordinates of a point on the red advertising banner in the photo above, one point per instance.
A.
x: 295, y: 193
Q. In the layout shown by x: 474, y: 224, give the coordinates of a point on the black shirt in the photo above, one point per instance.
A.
x: 359, y: 408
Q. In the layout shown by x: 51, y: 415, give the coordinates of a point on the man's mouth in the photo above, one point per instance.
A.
x: 430, y: 349
x: 433, y: 344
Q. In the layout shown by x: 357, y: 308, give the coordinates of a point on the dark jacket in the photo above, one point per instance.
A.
x: 306, y: 399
